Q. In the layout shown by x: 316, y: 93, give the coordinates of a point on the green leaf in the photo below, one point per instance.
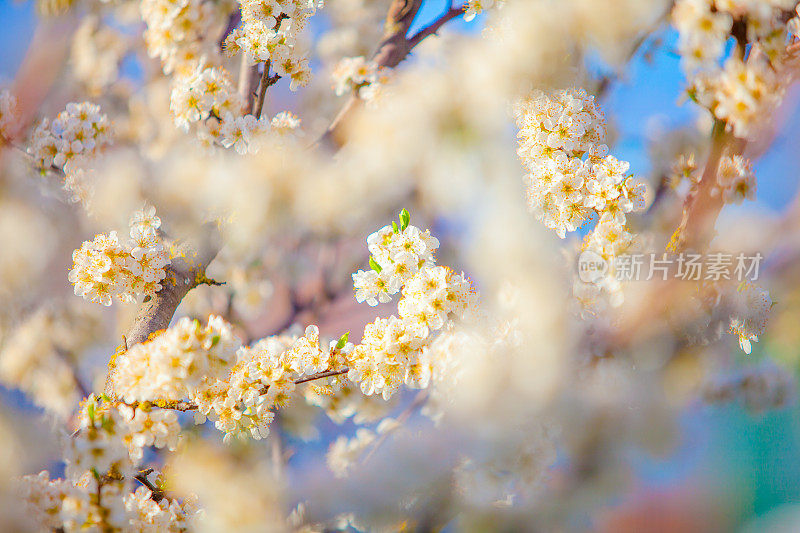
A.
x: 405, y: 218
x: 342, y: 341
x: 215, y: 340
x: 395, y: 228
x: 374, y: 265
x: 90, y: 410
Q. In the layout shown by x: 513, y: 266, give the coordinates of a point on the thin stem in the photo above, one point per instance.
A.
x: 321, y: 375
x: 263, y: 91
x: 606, y: 80
x: 183, y: 405
x: 156, y: 494
x: 434, y: 27
x: 267, y: 81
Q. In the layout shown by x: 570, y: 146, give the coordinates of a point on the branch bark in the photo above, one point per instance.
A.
x: 702, y: 207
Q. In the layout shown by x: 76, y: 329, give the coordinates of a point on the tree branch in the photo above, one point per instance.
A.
x: 156, y: 494
x: 392, y: 50
x: 434, y: 27
x: 702, y: 207
x: 606, y: 80
x: 184, y: 405
x: 321, y: 375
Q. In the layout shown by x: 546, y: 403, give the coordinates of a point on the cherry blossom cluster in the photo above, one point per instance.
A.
x: 751, y: 312
x: 269, y: 32
x: 208, y: 101
x: 356, y: 75
x: 181, y: 362
x: 239, y: 387
x: 741, y: 93
x: 390, y: 352
x: 397, y: 254
x: 705, y: 26
x: 571, y: 176
x: 241, y: 405
x: 101, y: 459
x: 736, y: 181
x: 203, y: 97
x: 572, y: 179
x: 608, y: 240
x: 175, y: 31
x: 285, y: 124
x: 263, y: 379
x: 75, y: 136
x: 746, y: 87
x: 9, y: 117
x: 105, y: 269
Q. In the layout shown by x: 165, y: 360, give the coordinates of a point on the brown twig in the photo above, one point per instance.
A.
x: 263, y: 91
x: 393, y: 49
x: 156, y: 494
x: 183, y: 405
x: 435, y: 26
x: 322, y: 375
x: 52, y: 168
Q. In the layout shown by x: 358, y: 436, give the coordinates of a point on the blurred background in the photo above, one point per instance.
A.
x: 733, y: 468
